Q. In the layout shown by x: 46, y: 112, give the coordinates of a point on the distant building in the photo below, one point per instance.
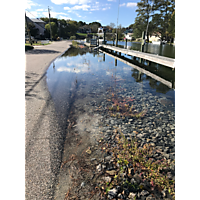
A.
x: 39, y: 24
x: 154, y: 37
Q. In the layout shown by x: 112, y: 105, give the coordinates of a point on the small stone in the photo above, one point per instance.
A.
x: 108, y: 158
x: 112, y: 193
x: 144, y: 193
x: 82, y: 184
x: 107, y: 179
x: 112, y: 172
x: 98, y: 167
x: 131, y: 195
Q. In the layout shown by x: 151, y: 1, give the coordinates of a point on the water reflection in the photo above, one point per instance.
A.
x: 78, y: 65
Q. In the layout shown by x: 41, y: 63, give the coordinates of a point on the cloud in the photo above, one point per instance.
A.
x: 59, y: 2
x: 53, y: 14
x: 106, y: 8
x: 30, y: 3
x: 131, y: 4
x: 40, y: 10
x: 67, y: 8
x: 123, y: 4
x: 81, y: 7
x: 111, y: 0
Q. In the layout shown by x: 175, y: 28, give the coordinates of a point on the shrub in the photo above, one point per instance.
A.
x: 73, y: 38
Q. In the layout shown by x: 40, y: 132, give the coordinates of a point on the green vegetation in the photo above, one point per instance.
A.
x: 74, y: 43
x: 72, y: 38
x: 161, y: 19
x: 35, y: 44
x: 155, y: 174
x: 82, y: 34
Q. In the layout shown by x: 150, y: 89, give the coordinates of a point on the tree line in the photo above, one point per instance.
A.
x: 160, y: 17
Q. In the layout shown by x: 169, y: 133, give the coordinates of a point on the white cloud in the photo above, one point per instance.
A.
x: 106, y: 8
x: 77, y: 7
x: 131, y: 4
x: 81, y: 7
x: 111, y: 0
x: 30, y: 3
x: 67, y: 8
x: 123, y: 4
x: 40, y: 10
x: 59, y: 2
x: 53, y: 14
x: 33, y: 14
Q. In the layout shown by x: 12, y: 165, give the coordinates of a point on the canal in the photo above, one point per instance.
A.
x: 94, y: 94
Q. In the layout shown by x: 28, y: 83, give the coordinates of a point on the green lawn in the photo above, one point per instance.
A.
x: 35, y: 44
x: 82, y: 34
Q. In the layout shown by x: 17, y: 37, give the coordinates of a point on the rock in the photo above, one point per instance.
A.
x: 150, y: 198
x: 107, y: 179
x: 144, y: 193
x: 112, y: 193
x: 131, y: 195
x: 108, y: 158
x: 82, y: 184
x: 98, y: 167
x: 112, y: 172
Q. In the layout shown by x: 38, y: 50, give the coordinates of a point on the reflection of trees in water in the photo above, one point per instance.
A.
x: 75, y: 51
x: 158, y: 86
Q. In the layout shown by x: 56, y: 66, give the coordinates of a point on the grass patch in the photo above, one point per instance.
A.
x: 130, y: 159
x: 82, y: 34
x: 36, y: 44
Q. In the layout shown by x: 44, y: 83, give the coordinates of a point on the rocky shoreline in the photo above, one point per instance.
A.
x: 155, y: 128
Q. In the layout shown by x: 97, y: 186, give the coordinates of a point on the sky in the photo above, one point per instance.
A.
x: 103, y: 11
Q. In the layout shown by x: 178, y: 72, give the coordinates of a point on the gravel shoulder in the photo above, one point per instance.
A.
x: 43, y: 134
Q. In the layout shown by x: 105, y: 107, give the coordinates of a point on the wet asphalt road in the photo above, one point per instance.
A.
x: 43, y: 133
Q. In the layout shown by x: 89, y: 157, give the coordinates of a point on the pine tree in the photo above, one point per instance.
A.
x: 159, y: 18
x: 144, y: 12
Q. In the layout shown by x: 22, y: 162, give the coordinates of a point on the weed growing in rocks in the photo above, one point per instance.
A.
x: 122, y: 108
x: 138, y: 172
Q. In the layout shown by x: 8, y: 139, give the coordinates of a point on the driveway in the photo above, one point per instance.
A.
x: 43, y: 134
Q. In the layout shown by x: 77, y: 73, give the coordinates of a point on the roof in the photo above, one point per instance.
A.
x: 37, y: 20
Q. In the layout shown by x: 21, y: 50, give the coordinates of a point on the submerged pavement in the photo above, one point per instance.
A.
x: 44, y: 135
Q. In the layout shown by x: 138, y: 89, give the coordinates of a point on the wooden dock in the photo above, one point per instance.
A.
x: 154, y: 76
x: 169, y: 62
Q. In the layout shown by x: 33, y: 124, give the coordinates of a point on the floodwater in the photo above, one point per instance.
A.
x: 95, y: 94
x: 78, y: 75
x: 166, y: 50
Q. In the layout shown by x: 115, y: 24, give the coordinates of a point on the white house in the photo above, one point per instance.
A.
x: 128, y: 36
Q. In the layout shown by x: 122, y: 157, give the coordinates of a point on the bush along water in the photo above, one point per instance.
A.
x: 137, y: 172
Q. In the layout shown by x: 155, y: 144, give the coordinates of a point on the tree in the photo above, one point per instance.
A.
x: 112, y: 25
x: 54, y: 29
x: 144, y: 13
x: 158, y: 16
x: 161, y: 20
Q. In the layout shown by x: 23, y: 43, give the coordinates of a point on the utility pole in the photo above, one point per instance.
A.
x: 28, y: 30
x: 50, y: 24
